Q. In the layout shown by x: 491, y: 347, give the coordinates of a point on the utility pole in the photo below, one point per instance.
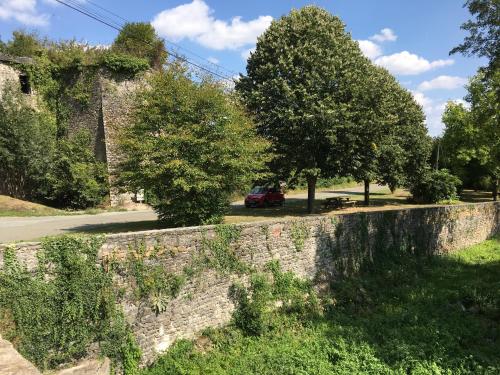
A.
x: 437, y: 156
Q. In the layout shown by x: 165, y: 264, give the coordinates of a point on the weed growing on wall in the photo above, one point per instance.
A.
x: 218, y: 253
x: 64, y: 306
x: 409, y: 316
x: 152, y: 280
x: 300, y: 233
x: 269, y: 294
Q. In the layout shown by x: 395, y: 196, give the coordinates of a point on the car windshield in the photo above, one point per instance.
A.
x: 258, y: 190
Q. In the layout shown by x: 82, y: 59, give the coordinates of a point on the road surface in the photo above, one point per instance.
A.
x: 34, y: 228
x: 31, y: 228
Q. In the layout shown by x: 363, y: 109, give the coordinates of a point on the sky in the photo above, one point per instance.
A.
x: 412, y: 39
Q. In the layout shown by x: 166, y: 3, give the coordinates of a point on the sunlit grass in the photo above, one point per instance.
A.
x: 405, y: 316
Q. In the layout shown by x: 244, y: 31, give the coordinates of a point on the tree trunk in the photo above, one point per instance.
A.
x: 367, y: 192
x: 311, y: 192
x: 495, y: 189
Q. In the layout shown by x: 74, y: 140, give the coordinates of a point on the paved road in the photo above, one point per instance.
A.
x: 31, y: 228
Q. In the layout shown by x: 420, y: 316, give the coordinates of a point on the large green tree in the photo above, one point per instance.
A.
x: 483, y: 39
x: 190, y: 146
x: 472, y: 135
x: 299, y: 86
x: 385, y: 139
x: 27, y: 141
x: 139, y: 39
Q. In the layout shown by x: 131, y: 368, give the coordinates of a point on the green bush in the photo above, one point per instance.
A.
x: 67, y: 304
x: 434, y: 186
x: 27, y: 142
x: 191, y: 146
x: 124, y: 64
x: 75, y: 179
x: 268, y: 295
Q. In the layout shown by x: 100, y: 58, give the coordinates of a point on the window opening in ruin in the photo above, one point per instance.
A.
x: 25, y: 84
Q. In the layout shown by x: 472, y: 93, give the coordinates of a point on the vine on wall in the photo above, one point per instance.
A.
x: 64, y: 306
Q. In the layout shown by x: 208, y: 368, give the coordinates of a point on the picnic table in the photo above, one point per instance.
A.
x: 339, y: 202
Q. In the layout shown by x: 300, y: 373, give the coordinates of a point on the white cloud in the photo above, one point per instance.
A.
x: 406, y: 63
x: 213, y: 60
x: 23, y: 11
x: 245, y: 54
x: 195, y: 21
x: 443, y: 83
x: 385, y: 35
x: 433, y: 110
x: 370, y: 49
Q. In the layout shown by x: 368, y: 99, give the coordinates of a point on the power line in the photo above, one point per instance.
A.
x: 106, y: 10
x: 167, y: 40
x: 114, y: 25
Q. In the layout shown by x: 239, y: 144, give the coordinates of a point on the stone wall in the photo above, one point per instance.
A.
x: 8, y: 75
x: 117, y: 97
x: 316, y: 247
x: 87, y: 115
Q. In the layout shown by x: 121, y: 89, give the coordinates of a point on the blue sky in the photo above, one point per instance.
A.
x: 410, y: 38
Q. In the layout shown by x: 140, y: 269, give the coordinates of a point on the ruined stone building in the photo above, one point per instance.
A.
x: 108, y: 110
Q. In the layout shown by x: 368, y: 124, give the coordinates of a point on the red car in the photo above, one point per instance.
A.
x: 263, y: 197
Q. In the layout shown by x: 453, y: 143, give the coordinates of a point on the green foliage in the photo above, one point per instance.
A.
x: 75, y: 179
x: 24, y: 44
x: 65, y: 305
x: 139, y: 39
x: 299, y: 232
x: 300, y: 80
x: 471, y: 141
x: 434, y: 186
x: 190, y: 146
x: 326, y: 108
x: 131, y: 355
x: 387, y: 140
x: 484, y: 32
x: 27, y: 142
x: 153, y: 281
x: 268, y: 295
x: 438, y: 316
x: 218, y: 252
x: 126, y: 65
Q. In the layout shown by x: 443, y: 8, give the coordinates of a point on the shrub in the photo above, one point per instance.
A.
x: 27, y: 139
x: 258, y: 305
x: 124, y: 64
x: 66, y: 305
x: 435, y: 186
x: 190, y: 146
x: 76, y: 179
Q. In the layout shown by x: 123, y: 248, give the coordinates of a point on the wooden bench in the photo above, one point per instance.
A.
x: 338, y: 202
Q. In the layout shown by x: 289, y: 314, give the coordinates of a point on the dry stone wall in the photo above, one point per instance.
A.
x: 117, y: 105
x: 317, y: 247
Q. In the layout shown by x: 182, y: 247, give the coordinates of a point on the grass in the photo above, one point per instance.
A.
x: 404, y: 316
x: 16, y: 207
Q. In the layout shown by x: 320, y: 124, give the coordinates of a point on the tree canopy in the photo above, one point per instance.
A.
x: 472, y: 135
x: 139, y: 39
x: 299, y: 85
x: 484, y: 32
x: 326, y: 108
x: 190, y: 147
